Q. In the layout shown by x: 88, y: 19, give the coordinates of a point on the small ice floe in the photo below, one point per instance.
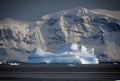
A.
x: 14, y: 64
x: 71, y: 65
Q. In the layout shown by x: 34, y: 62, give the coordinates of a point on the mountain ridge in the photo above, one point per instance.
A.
x: 77, y: 25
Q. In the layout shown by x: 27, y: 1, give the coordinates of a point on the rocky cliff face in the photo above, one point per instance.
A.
x: 77, y: 25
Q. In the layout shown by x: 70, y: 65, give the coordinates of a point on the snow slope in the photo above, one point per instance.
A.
x: 115, y: 14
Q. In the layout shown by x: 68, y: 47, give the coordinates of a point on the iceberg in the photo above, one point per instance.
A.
x: 40, y: 56
x: 70, y: 54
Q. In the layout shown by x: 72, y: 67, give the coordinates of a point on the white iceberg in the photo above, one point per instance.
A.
x: 39, y: 56
x: 70, y: 53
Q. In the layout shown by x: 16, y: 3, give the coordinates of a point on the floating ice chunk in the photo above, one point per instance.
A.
x: 68, y: 54
x: 14, y: 64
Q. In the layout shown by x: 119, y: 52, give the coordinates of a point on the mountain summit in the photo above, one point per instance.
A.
x: 79, y: 25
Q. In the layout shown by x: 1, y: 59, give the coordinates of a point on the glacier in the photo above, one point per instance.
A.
x: 67, y: 54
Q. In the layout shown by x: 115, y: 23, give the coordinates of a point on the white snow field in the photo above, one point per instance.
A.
x: 70, y: 53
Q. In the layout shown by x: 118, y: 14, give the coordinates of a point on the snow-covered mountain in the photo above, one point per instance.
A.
x: 73, y: 54
x: 86, y: 27
x: 115, y: 14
